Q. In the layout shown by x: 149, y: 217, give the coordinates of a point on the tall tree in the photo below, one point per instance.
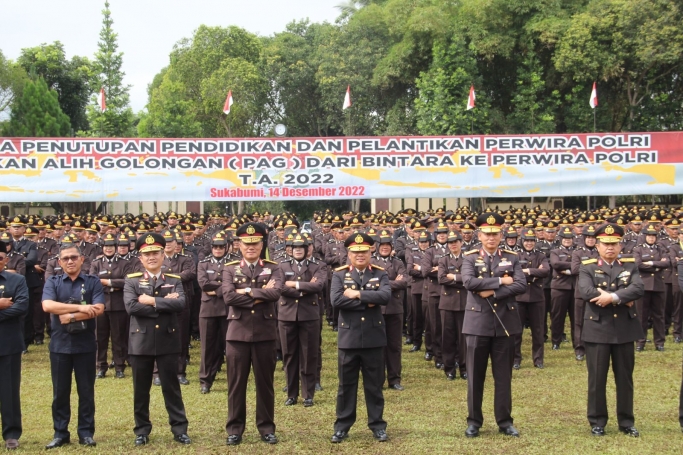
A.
x: 37, y: 113
x: 69, y: 78
x: 118, y: 119
x: 12, y: 80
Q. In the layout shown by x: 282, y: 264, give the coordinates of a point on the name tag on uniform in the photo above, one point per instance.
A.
x: 265, y: 272
x: 168, y: 286
x: 624, y: 274
x: 210, y: 271
x: 289, y: 273
x: 504, y: 263
x: 102, y: 272
x: 373, y: 279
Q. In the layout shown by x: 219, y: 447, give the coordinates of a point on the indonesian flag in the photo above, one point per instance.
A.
x: 594, y: 97
x: 472, y: 97
x: 101, y: 100
x: 347, y: 98
x: 228, y: 103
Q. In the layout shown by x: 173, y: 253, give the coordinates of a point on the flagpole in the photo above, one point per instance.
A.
x: 594, y: 122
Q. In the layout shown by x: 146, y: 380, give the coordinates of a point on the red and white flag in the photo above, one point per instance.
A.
x: 471, y: 99
x: 228, y: 103
x: 594, y: 97
x: 347, y: 98
x: 101, y: 100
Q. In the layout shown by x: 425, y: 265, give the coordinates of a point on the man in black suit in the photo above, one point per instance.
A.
x: 493, y: 278
x: 13, y: 307
x: 153, y: 300
x: 29, y: 250
x: 358, y: 291
x: 610, y: 287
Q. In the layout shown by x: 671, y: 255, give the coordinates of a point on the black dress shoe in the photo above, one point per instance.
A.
x: 678, y: 339
x: 580, y: 357
x: 318, y: 387
x: 39, y: 342
x: 204, y: 390
x: 101, y: 374
x: 57, y: 442
x: 284, y: 389
x: 308, y: 402
x: 339, y: 436
x: 429, y: 356
x: 233, y: 440
x: 335, y: 329
x: 156, y: 381
x: 659, y: 348
x: 290, y: 402
x: 182, y: 438
x: 539, y: 366
x: 269, y: 438
x: 439, y: 366
x: 380, y: 435
x: 516, y: 366
x: 556, y: 347
x: 509, y: 431
x: 463, y: 375
x: 141, y: 440
x: 640, y: 348
x: 182, y: 379
x: 278, y: 357
x: 408, y: 341
x: 398, y: 387
x: 87, y: 441
x: 119, y: 375
x: 112, y: 365
x: 630, y: 431
x: 472, y: 431
x: 450, y: 376
x: 415, y: 348
x: 598, y: 431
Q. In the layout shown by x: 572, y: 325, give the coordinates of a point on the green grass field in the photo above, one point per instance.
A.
x: 549, y: 407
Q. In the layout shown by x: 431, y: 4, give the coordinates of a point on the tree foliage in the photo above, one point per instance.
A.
x: 12, y: 80
x: 37, y: 113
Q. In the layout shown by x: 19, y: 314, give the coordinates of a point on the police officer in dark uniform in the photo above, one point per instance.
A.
x: 74, y: 299
x: 562, y: 287
x: 609, y: 287
x: 493, y: 278
x: 153, y: 300
x: 213, y: 323
x: 13, y: 307
x: 579, y: 256
x: 299, y: 320
x: 413, y: 266
x: 359, y: 290
x: 112, y: 269
x: 251, y: 289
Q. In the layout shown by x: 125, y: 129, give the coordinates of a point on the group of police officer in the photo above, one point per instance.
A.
x: 462, y: 283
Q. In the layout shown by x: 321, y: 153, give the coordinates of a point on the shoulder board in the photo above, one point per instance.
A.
x: 233, y: 262
x: 339, y: 269
x: 205, y: 259
x: 511, y: 252
x: 589, y: 261
x: 267, y: 261
x: 172, y: 275
x: 134, y: 275
x: 471, y: 252
x: 377, y: 267
x: 627, y: 260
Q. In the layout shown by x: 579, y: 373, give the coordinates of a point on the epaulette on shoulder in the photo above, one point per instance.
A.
x: 269, y: 261
x: 339, y: 269
x: 511, y: 252
x: 206, y: 259
x: 589, y: 261
x: 377, y: 267
x: 172, y: 275
x: 627, y: 259
x: 471, y: 252
x: 233, y: 262
x: 134, y: 275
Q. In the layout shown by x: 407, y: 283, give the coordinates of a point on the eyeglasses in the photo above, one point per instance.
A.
x: 73, y: 258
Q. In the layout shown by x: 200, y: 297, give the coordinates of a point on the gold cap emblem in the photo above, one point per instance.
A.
x: 491, y: 220
x: 251, y: 230
x: 149, y: 240
x: 609, y: 230
x: 359, y: 239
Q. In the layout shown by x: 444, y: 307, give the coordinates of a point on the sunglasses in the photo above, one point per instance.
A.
x: 73, y: 258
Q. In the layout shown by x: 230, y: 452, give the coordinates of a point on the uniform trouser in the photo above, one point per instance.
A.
x: 83, y: 368
x: 319, y: 367
x: 453, y: 343
x: 392, y: 351
x: 300, y: 355
x: 212, y: 333
x: 40, y: 318
x: 369, y: 362
x: 34, y: 301
x: 427, y: 323
x: 548, y: 306
x: 435, y: 328
x: 417, y: 319
x: 502, y: 351
x: 579, y: 307
x: 562, y: 304
x: 143, y: 367
x: 668, y: 305
x: 184, y: 329
x: 651, y: 305
x: 408, y: 313
x: 680, y: 406
x: 598, y: 357
x: 534, y: 311
x: 194, y: 312
x: 114, y: 324
x: 677, y: 315
x: 329, y: 310
x: 10, y: 403
x: 240, y: 357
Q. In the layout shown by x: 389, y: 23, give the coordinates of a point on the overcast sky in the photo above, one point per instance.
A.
x: 147, y: 29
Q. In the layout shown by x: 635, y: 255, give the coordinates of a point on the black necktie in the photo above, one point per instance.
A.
x: 251, y: 268
x: 299, y: 265
x: 154, y: 282
x: 360, y: 275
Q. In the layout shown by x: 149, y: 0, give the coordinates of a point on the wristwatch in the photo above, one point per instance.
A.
x: 247, y: 291
x: 73, y: 317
